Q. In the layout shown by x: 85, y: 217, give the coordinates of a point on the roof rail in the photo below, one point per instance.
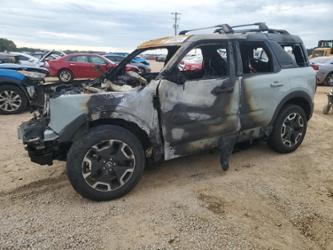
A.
x: 226, y: 28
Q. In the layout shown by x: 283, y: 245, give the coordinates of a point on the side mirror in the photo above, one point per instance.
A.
x: 98, y: 68
x: 175, y: 76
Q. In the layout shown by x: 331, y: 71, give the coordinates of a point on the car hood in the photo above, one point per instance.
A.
x: 14, y: 66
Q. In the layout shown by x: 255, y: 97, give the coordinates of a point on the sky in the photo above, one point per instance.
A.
x: 120, y: 25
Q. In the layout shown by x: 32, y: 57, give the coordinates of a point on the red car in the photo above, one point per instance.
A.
x: 81, y: 65
x: 191, y: 64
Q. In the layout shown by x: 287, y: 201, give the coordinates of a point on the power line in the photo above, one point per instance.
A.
x: 176, y: 19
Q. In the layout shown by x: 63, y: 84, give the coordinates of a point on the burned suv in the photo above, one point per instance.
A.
x: 250, y: 83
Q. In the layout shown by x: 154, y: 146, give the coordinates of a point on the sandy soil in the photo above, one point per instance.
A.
x: 265, y: 201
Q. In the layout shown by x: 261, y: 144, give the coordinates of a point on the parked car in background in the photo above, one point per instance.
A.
x: 120, y: 53
x: 8, y: 58
x: 139, y: 59
x: 81, y: 65
x: 27, y: 60
x: 324, y: 67
x: 143, y: 67
x: 193, y: 63
x: 161, y: 58
x: 17, y: 86
x: 49, y: 55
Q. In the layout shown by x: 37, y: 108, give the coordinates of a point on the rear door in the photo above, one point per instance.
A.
x: 195, y: 113
x: 97, y: 66
x: 263, y: 84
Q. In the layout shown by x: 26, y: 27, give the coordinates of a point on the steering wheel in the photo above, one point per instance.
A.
x: 137, y: 77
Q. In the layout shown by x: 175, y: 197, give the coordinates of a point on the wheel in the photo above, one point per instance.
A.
x: 65, y: 76
x: 106, y: 163
x: 327, y: 109
x: 12, y: 100
x: 289, y: 129
x: 329, y: 79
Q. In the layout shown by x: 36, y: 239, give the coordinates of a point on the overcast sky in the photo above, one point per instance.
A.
x: 122, y: 24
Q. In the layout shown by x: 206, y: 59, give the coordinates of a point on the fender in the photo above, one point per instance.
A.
x: 297, y: 95
x: 68, y: 132
x: 81, y: 123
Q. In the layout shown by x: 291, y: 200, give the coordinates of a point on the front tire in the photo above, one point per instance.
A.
x: 106, y: 163
x: 65, y: 76
x: 289, y: 129
x: 12, y: 100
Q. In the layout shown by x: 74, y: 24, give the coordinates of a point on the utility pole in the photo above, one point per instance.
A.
x: 176, y: 19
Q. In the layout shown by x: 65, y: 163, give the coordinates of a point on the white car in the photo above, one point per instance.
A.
x: 27, y: 60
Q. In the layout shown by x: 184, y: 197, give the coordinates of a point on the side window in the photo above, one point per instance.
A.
x: 205, y: 61
x: 23, y: 58
x: 152, y: 60
x: 256, y: 58
x: 96, y: 60
x: 295, y: 51
x: 82, y: 59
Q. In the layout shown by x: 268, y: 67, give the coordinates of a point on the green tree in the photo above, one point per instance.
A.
x: 7, y: 45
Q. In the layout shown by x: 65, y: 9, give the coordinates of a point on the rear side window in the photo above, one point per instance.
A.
x: 295, y: 51
x: 289, y: 55
x: 82, y: 59
x: 256, y: 58
x: 96, y: 60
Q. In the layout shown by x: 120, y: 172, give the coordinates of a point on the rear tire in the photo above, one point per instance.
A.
x: 12, y: 100
x: 106, y: 163
x: 289, y: 129
x: 329, y: 79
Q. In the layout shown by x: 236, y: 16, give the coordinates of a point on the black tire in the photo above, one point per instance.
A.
x: 329, y: 79
x: 82, y: 148
x: 277, y: 139
x: 18, y: 100
x: 65, y: 76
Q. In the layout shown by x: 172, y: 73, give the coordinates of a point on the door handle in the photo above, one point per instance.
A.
x: 71, y: 64
x: 222, y: 89
x: 276, y: 84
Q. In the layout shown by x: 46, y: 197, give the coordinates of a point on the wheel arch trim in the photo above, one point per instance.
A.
x: 299, y: 98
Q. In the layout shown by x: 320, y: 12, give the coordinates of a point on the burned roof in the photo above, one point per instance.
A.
x: 263, y: 33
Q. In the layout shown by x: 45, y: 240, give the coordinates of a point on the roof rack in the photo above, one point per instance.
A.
x: 226, y: 28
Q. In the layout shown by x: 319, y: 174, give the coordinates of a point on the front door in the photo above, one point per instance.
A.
x: 204, y: 107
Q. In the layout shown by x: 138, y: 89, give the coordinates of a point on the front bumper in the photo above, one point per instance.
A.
x: 41, y: 144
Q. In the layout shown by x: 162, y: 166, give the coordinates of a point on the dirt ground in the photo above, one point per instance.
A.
x: 265, y: 201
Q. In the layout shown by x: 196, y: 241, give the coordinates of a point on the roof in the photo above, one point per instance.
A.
x: 164, y: 41
x: 251, y: 36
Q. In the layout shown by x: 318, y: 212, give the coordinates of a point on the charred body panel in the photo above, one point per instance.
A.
x: 134, y: 106
x: 194, y: 116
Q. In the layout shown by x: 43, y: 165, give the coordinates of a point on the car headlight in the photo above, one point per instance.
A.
x: 32, y: 75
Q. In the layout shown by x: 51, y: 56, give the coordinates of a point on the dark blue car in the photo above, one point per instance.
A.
x: 17, y: 86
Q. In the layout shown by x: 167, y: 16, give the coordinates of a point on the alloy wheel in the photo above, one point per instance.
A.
x: 10, y: 101
x: 108, y: 165
x: 65, y: 76
x: 292, y: 129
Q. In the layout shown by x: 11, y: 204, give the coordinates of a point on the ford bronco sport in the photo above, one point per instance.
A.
x: 253, y: 83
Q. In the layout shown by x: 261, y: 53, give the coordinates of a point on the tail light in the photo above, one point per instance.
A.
x: 315, y: 66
